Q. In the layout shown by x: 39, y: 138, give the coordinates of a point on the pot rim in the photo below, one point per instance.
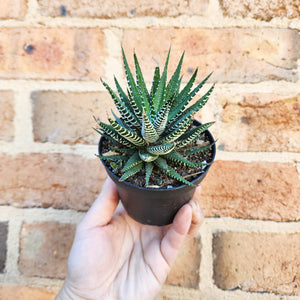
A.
x: 207, y: 132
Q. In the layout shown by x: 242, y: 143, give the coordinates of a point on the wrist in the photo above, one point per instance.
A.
x: 65, y: 293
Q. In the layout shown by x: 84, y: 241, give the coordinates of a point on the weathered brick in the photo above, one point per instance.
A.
x: 256, y: 190
x: 68, y: 117
x: 185, y: 271
x: 43, y: 180
x: 44, y: 249
x: 264, y: 122
x: 6, y: 116
x: 124, y: 8
x: 17, y: 292
x: 3, y: 248
x: 259, y: 262
x: 234, y: 55
x: 52, y: 53
x: 13, y: 9
x: 263, y: 10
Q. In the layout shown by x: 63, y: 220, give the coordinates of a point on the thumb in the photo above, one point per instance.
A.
x: 175, y: 236
x: 103, y: 208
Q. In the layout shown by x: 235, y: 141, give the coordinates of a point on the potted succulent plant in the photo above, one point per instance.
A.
x: 154, y: 150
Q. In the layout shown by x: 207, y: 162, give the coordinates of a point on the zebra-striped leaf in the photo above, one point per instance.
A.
x: 185, y: 91
x: 174, y: 81
x: 149, y: 168
x: 159, y: 98
x: 161, y: 163
x: 132, y: 162
x: 148, y: 131
x: 132, y: 171
x: 160, y: 149
x: 112, y: 133
x: 195, y: 150
x: 189, y: 136
x: 184, y: 100
x: 126, y: 134
x: 146, y: 156
x: 161, y: 119
x: 155, y: 83
x: 141, y: 85
x: 131, y: 84
x: 113, y: 157
x: 196, y: 106
x: 174, y: 135
x: 179, y: 159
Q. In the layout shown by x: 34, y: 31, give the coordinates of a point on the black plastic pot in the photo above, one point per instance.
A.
x: 155, y: 206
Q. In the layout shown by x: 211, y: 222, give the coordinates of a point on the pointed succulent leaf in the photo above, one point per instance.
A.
x: 197, y: 149
x: 155, y: 82
x: 172, y: 173
x: 121, y: 93
x: 132, y: 162
x: 174, y: 81
x: 120, y: 121
x: 148, y: 131
x: 124, y: 150
x: 179, y: 159
x: 185, y: 91
x: 177, y: 133
x: 131, y: 84
x: 160, y: 149
x: 113, y: 157
x: 128, y: 107
x: 132, y: 171
x: 146, y: 156
x: 178, y: 86
x: 183, y: 102
x: 159, y: 98
x: 134, y: 107
x: 149, y: 168
x: 112, y: 133
x: 122, y: 108
x: 196, y: 106
x: 189, y: 136
x: 141, y: 85
x: 177, y: 124
x: 127, y: 134
x: 161, y: 163
x: 161, y: 119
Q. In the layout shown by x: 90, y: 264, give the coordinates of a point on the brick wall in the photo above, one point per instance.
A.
x: 52, y: 54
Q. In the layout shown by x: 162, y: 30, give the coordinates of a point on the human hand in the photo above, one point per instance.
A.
x: 115, y: 257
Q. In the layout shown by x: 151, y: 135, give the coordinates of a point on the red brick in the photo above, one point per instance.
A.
x: 234, y: 55
x: 123, y: 8
x: 52, y: 53
x: 262, y: 10
x: 3, y: 246
x: 264, y: 122
x: 17, y: 292
x: 256, y: 190
x: 13, y: 9
x: 257, y: 262
x: 43, y: 180
x: 185, y: 271
x: 44, y: 249
x: 6, y: 116
x: 68, y: 117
